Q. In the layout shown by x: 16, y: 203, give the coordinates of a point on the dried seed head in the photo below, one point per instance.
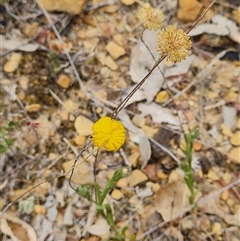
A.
x: 173, y: 43
x: 152, y: 18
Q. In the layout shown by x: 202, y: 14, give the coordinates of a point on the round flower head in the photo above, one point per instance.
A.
x: 151, y: 18
x: 173, y: 43
x: 108, y: 133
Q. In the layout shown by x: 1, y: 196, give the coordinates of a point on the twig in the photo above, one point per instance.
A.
x: 126, y: 99
x: 200, y: 18
x: 165, y: 150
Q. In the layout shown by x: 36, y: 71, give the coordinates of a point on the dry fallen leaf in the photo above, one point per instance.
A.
x: 17, y: 229
x: 17, y: 44
x: 171, y: 199
x: 137, y: 136
x: 142, y: 61
x: 210, y: 206
x: 221, y: 26
x: 159, y: 115
x: 100, y: 227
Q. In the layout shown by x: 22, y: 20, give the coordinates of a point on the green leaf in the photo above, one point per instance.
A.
x: 98, y: 194
x: 11, y: 124
x: 9, y: 141
x: 3, y: 148
x: 84, y: 191
x: 118, y: 174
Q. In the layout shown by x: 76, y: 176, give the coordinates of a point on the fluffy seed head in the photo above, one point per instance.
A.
x: 152, y: 18
x: 108, y: 133
x: 173, y: 43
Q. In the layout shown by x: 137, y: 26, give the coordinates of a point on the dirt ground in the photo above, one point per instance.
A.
x: 64, y: 66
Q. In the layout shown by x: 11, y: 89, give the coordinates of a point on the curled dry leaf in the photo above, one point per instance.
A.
x: 17, y: 229
x: 100, y: 228
x: 141, y: 62
x: 221, y: 26
x: 210, y: 206
x: 171, y: 199
x: 137, y: 136
x: 17, y: 44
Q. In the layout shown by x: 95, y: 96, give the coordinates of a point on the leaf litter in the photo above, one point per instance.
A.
x: 111, y: 53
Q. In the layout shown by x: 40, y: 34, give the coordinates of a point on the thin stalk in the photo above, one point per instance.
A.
x: 126, y: 99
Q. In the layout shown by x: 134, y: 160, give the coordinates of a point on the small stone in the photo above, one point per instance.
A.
x: 101, y: 56
x: 235, y: 139
x: 189, y: 115
x: 80, y: 140
x: 23, y: 82
x: 21, y: 95
x: 137, y: 177
x: 230, y: 202
x: 117, y: 194
x: 138, y: 120
x: 162, y: 175
x: 234, y: 154
x: 236, y: 15
x: 155, y: 187
x: 212, y: 95
x: 133, y: 158
x: 110, y: 63
x: 83, y: 126
x: 115, y: 50
x: 128, y: 2
x: 33, y: 108
x: 197, y: 146
x: 119, y: 39
x: 162, y: 96
x: 52, y: 156
x: 110, y: 174
x: 64, y: 81
x: 224, y: 195
x: 2, y: 203
x: 226, y: 130
x: 187, y: 224
x: 238, y: 123
x: 87, y: 33
x: 39, y: 209
x: 78, y: 212
x: 31, y: 29
x: 217, y: 229
x: 204, y: 223
x: 227, y: 177
x: 13, y: 62
x: 102, y: 166
x: 231, y: 96
x: 110, y: 9
x: 70, y: 6
x: 189, y: 10
x: 99, y: 228
x: 43, y: 189
x: 176, y: 175
x: 93, y: 238
x: 64, y: 114
x: 107, y: 29
x: 82, y: 173
x: 213, y: 175
x: 123, y: 182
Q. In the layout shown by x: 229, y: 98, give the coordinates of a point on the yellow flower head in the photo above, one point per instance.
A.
x: 108, y: 133
x: 151, y: 18
x: 173, y: 43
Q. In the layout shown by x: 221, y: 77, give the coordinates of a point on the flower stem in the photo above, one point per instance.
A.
x: 126, y: 99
